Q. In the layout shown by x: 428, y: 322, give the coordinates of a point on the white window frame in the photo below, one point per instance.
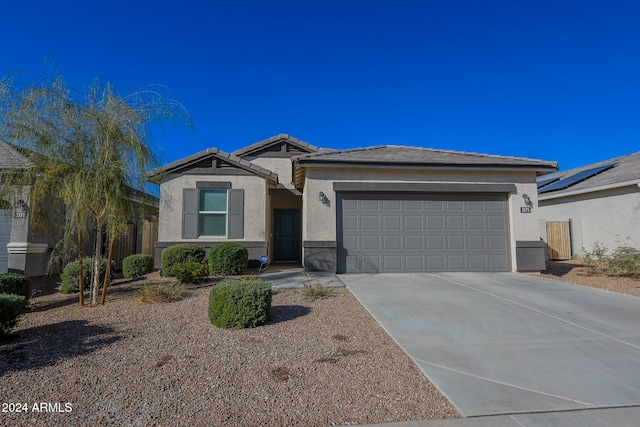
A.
x: 225, y: 213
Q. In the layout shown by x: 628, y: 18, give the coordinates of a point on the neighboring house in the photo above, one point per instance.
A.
x: 375, y: 209
x: 26, y: 249
x: 598, y: 203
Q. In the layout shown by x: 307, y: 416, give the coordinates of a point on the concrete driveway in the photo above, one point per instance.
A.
x: 506, y: 343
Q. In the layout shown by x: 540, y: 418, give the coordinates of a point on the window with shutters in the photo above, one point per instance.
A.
x: 212, y: 213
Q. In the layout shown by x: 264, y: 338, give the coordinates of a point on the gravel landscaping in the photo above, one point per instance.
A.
x: 317, y: 362
x: 576, y: 271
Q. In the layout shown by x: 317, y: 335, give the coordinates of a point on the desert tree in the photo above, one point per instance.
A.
x: 90, y: 149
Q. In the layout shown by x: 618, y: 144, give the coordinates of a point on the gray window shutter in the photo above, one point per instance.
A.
x: 236, y: 214
x: 189, y: 213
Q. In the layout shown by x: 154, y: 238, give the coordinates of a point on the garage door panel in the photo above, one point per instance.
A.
x: 370, y: 223
x: 392, y: 222
x: 498, y: 262
x: 497, y: 243
x: 370, y: 243
x: 435, y: 223
x: 414, y: 263
x: 455, y: 223
x: 435, y: 263
x: 413, y: 223
x: 391, y: 205
x: 413, y: 205
x: 414, y: 243
x: 392, y: 243
x: 496, y: 223
x: 476, y: 223
x: 477, y: 262
x: 435, y: 243
x: 477, y: 243
x: 422, y: 232
x: 456, y: 243
x: 456, y: 263
x: 392, y: 263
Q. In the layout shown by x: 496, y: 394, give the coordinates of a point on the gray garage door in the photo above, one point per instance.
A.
x: 422, y: 232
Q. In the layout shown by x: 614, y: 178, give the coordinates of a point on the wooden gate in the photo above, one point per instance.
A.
x: 559, y: 239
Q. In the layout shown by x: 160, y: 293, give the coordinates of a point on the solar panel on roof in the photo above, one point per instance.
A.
x: 575, y: 178
x: 547, y: 182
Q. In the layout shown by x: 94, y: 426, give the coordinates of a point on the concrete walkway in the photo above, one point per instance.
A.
x: 296, y: 277
x: 514, y: 349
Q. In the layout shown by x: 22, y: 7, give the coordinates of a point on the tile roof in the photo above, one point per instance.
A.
x: 11, y: 158
x: 277, y: 138
x: 418, y: 156
x: 154, y: 176
x: 625, y: 169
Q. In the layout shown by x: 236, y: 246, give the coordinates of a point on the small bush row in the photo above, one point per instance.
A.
x: 14, y: 296
x: 184, y: 261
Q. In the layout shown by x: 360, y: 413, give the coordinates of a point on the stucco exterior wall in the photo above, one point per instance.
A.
x: 319, y: 220
x: 610, y: 217
x: 170, y: 216
x: 279, y: 165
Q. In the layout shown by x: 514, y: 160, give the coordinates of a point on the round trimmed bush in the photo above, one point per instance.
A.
x: 190, y: 272
x: 137, y: 265
x: 12, y: 306
x: 69, y: 276
x: 186, y: 252
x: 14, y: 283
x: 240, y: 303
x: 228, y: 259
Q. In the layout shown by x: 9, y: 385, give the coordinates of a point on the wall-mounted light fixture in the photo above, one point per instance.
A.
x: 323, y: 199
x: 527, y: 200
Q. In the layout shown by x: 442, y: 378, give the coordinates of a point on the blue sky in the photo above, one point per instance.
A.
x: 554, y: 80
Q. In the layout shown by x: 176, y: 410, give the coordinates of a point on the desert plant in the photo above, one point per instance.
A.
x: 596, y: 258
x: 185, y: 252
x: 137, y: 265
x: 13, y: 283
x: 228, y: 259
x: 240, y: 303
x: 190, y: 272
x: 69, y: 276
x: 160, y: 292
x: 624, y: 261
x: 315, y: 290
x: 12, y: 306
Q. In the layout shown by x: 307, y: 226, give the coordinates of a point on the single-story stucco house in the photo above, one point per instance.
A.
x: 26, y: 248
x: 373, y: 209
x: 597, y: 203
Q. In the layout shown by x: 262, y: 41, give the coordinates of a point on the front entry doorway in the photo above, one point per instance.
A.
x: 286, y: 227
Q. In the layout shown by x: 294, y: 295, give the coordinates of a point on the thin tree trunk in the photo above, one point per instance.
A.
x: 97, y: 260
x: 107, y: 275
x: 80, y: 272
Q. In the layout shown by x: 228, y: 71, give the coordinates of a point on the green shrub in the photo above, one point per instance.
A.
x: 160, y: 292
x: 69, y: 276
x: 240, y: 303
x: 137, y: 265
x: 13, y: 283
x: 624, y: 261
x: 186, y: 252
x: 227, y: 259
x: 12, y: 306
x: 190, y: 272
